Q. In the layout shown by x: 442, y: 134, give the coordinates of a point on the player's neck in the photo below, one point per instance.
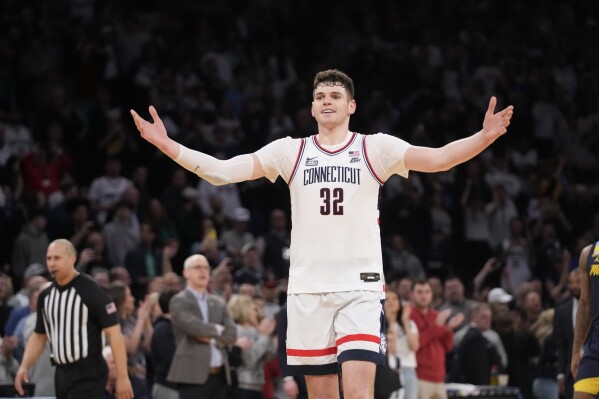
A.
x: 334, y: 136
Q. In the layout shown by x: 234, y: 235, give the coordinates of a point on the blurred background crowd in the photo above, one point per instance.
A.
x: 229, y: 76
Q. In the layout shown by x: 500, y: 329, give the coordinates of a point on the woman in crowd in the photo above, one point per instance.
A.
x: 137, y: 332
x: 250, y: 373
x: 407, y: 341
x: 544, y: 385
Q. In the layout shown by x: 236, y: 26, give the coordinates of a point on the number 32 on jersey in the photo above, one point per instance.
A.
x: 332, y: 201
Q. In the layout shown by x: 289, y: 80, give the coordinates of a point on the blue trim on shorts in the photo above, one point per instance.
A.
x: 314, y: 369
x: 364, y: 355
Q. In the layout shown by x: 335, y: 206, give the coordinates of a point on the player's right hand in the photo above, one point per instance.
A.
x: 22, y: 376
x: 155, y: 132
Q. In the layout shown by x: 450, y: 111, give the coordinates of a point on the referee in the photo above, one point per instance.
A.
x: 71, y: 315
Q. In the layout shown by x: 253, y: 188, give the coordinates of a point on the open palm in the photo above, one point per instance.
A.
x: 495, y: 124
x: 155, y: 132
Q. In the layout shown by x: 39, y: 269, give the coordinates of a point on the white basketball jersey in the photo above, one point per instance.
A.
x: 335, y: 237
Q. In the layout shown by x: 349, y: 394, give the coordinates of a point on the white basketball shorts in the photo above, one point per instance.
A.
x: 326, y: 329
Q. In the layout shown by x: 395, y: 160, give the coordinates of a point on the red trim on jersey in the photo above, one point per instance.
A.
x: 312, y: 352
x: 299, y: 157
x: 351, y: 140
x: 359, y: 337
x: 369, y: 164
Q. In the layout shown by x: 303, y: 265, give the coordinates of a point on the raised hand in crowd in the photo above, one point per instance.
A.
x: 443, y: 316
x: 267, y: 326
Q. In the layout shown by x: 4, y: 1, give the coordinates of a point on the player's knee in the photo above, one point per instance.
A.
x: 323, y: 387
x: 323, y: 394
x: 358, y: 392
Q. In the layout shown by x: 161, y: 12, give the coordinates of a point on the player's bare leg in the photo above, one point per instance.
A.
x: 323, y: 386
x: 358, y: 379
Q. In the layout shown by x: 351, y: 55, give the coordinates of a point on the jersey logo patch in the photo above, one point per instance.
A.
x: 311, y: 161
x: 354, y: 160
x: 353, y: 154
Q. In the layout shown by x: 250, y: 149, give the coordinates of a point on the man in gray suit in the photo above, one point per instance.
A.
x: 203, y: 328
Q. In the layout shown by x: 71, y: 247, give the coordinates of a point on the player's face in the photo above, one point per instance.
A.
x: 331, y: 106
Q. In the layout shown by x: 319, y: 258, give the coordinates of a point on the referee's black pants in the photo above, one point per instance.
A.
x: 85, y: 379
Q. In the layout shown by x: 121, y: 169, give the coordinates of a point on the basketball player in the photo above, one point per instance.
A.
x: 336, y: 273
x: 585, y: 365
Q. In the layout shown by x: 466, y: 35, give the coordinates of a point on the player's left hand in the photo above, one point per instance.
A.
x: 495, y: 124
x: 123, y: 388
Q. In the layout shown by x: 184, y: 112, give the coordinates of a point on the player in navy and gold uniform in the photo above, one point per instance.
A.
x: 585, y: 365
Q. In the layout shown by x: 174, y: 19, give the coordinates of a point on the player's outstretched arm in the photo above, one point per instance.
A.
x: 216, y: 171
x: 425, y: 159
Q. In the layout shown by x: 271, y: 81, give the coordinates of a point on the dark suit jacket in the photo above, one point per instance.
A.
x: 564, y: 337
x: 476, y: 357
x: 163, y: 349
x: 191, y: 363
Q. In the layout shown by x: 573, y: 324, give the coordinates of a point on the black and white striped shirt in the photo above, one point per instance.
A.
x: 73, y: 317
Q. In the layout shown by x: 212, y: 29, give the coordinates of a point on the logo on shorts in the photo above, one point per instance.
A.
x: 383, y: 346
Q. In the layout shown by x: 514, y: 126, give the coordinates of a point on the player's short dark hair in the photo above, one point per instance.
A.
x: 164, y: 299
x: 334, y: 77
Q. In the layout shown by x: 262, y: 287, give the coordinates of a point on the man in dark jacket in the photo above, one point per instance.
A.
x: 476, y: 355
x: 163, y: 349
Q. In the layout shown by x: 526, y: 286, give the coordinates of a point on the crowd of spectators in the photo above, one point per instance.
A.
x: 230, y: 76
